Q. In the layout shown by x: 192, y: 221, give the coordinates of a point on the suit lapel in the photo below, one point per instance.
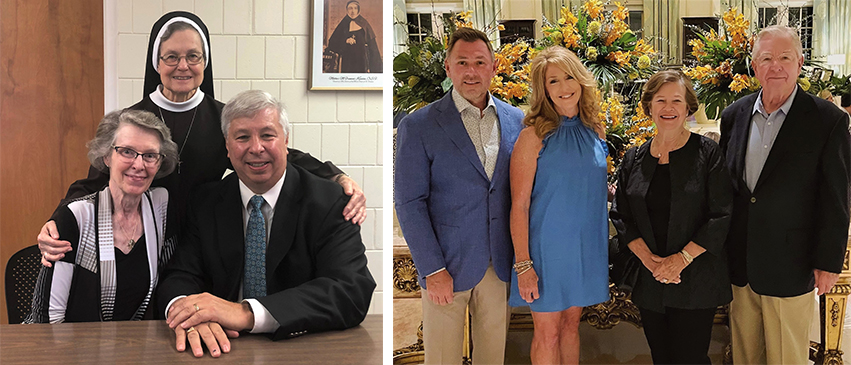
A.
x: 793, y: 126
x: 284, y: 224
x: 506, y: 129
x: 230, y: 230
x: 450, y: 120
x: 641, y: 177
x: 739, y: 140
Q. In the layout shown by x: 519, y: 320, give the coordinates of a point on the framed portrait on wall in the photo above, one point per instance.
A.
x: 345, y: 45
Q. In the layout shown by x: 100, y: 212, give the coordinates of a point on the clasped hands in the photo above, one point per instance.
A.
x: 666, y: 270
x: 350, y: 40
x: 208, y: 318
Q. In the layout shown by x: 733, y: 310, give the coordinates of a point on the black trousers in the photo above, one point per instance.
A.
x: 678, y: 336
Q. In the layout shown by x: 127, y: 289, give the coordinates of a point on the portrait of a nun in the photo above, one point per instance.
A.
x: 353, y: 40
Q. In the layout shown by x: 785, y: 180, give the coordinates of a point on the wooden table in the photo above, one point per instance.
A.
x: 153, y: 342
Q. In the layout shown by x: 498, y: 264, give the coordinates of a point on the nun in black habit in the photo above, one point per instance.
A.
x: 354, y: 41
x: 179, y: 90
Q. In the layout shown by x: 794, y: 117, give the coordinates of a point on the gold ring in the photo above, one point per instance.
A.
x: 191, y: 329
x: 196, y: 307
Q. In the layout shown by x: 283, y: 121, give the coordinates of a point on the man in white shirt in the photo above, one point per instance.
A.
x: 267, y: 249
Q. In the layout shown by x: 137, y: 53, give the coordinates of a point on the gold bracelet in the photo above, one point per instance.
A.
x: 522, y: 264
x: 524, y: 270
x: 687, y: 257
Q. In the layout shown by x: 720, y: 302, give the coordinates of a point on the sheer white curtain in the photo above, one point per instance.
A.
x: 663, y: 25
x: 400, y: 32
x: 552, y: 8
x: 485, y: 16
x: 832, y: 33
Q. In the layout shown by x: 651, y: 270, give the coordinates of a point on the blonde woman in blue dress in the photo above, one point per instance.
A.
x: 558, y: 211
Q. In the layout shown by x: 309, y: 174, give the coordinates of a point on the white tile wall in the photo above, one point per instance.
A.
x: 307, y: 137
x: 350, y: 107
x: 294, y: 94
x: 212, y: 12
x: 268, y: 17
x: 302, y: 53
x: 174, y: 5
x: 279, y: 56
x: 335, y: 143
x: 250, y: 67
x: 224, y: 56
x: 145, y: 13
x: 132, y: 55
x: 270, y: 86
x: 237, y: 18
x: 322, y: 106
x: 124, y: 20
x: 264, y: 44
x: 295, y: 19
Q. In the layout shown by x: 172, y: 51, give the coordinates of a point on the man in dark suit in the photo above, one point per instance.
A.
x: 788, y: 154
x: 312, y: 275
x: 452, y: 200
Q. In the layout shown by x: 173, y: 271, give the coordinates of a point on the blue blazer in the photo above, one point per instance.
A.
x: 452, y: 216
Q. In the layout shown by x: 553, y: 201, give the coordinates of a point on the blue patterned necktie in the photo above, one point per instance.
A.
x: 254, y: 282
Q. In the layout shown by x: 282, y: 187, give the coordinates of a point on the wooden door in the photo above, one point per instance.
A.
x: 51, y: 99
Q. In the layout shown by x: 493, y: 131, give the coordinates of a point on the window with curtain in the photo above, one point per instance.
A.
x: 800, y: 18
x: 421, y: 25
x: 635, y: 21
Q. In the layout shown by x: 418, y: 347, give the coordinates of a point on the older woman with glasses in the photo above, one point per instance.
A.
x: 179, y: 90
x: 116, y: 234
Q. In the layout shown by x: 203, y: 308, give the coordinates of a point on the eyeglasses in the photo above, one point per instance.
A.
x: 130, y: 154
x: 173, y: 60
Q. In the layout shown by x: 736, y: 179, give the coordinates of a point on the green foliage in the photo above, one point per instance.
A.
x: 419, y: 75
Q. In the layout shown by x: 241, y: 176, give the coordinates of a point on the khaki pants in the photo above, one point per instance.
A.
x: 443, y: 326
x: 770, y: 330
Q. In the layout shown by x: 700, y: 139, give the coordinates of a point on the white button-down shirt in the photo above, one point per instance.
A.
x: 482, y: 127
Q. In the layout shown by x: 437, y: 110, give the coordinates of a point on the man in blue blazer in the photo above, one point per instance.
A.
x: 453, y: 199
x: 789, y: 157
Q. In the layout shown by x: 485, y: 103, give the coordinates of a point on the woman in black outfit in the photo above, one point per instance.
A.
x: 672, y: 209
x: 179, y: 90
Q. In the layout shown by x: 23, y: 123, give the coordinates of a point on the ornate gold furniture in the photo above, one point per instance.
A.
x: 832, y: 319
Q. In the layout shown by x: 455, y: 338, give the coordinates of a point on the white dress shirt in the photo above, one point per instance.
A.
x: 264, y: 322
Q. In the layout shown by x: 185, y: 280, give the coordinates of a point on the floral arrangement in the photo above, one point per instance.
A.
x: 511, y: 82
x: 722, y: 73
x: 420, y: 77
x: 603, y: 41
x: 623, y: 132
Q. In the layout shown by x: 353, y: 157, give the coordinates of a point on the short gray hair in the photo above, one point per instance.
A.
x: 248, y: 103
x: 779, y: 31
x: 102, y: 144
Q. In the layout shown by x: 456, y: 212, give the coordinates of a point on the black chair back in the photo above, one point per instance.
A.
x: 21, y: 274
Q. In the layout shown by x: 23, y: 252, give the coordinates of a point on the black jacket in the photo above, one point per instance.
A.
x: 796, y: 219
x: 316, y: 274
x: 700, y: 212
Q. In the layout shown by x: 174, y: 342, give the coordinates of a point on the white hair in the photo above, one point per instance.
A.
x: 248, y: 103
x: 779, y: 31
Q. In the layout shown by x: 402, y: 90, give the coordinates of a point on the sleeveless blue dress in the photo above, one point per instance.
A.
x: 568, y: 227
